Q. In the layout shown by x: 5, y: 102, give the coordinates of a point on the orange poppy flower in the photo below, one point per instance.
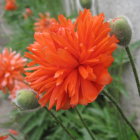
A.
x: 6, y: 136
x: 3, y: 137
x: 70, y: 64
x: 10, y: 5
x: 11, y: 69
x: 44, y: 22
x: 14, y: 132
x: 18, y: 86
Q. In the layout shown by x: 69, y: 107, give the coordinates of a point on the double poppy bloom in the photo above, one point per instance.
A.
x: 10, y: 5
x: 70, y: 61
x: 11, y: 69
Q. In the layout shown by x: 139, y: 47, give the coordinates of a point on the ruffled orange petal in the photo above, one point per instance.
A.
x: 72, y: 61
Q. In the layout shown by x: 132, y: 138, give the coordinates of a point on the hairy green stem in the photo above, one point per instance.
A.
x: 133, y: 67
x: 122, y: 114
x: 60, y: 123
x: 82, y: 120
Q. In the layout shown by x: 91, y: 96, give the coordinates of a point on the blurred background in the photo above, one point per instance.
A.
x: 17, y: 33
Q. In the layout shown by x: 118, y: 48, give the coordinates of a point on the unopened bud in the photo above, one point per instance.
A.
x: 122, y: 30
x: 86, y: 3
x: 26, y: 99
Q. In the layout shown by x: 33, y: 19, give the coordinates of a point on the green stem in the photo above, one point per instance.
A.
x: 133, y: 67
x: 82, y: 120
x: 59, y: 122
x: 121, y: 112
x: 12, y: 137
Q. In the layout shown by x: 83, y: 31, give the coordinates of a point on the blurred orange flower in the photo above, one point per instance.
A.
x: 28, y: 12
x: 14, y: 132
x: 10, y: 5
x: 6, y: 136
x: 44, y: 22
x: 70, y: 64
x: 11, y: 69
x: 3, y: 137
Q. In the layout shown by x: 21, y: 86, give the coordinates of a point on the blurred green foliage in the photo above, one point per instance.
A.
x: 101, y: 117
x: 23, y: 30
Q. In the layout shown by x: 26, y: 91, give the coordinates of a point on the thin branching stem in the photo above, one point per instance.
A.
x: 60, y: 123
x: 82, y: 120
x: 133, y: 68
x: 122, y: 114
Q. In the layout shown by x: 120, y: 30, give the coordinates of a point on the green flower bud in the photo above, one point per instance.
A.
x: 86, y: 3
x: 122, y: 30
x: 26, y: 99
